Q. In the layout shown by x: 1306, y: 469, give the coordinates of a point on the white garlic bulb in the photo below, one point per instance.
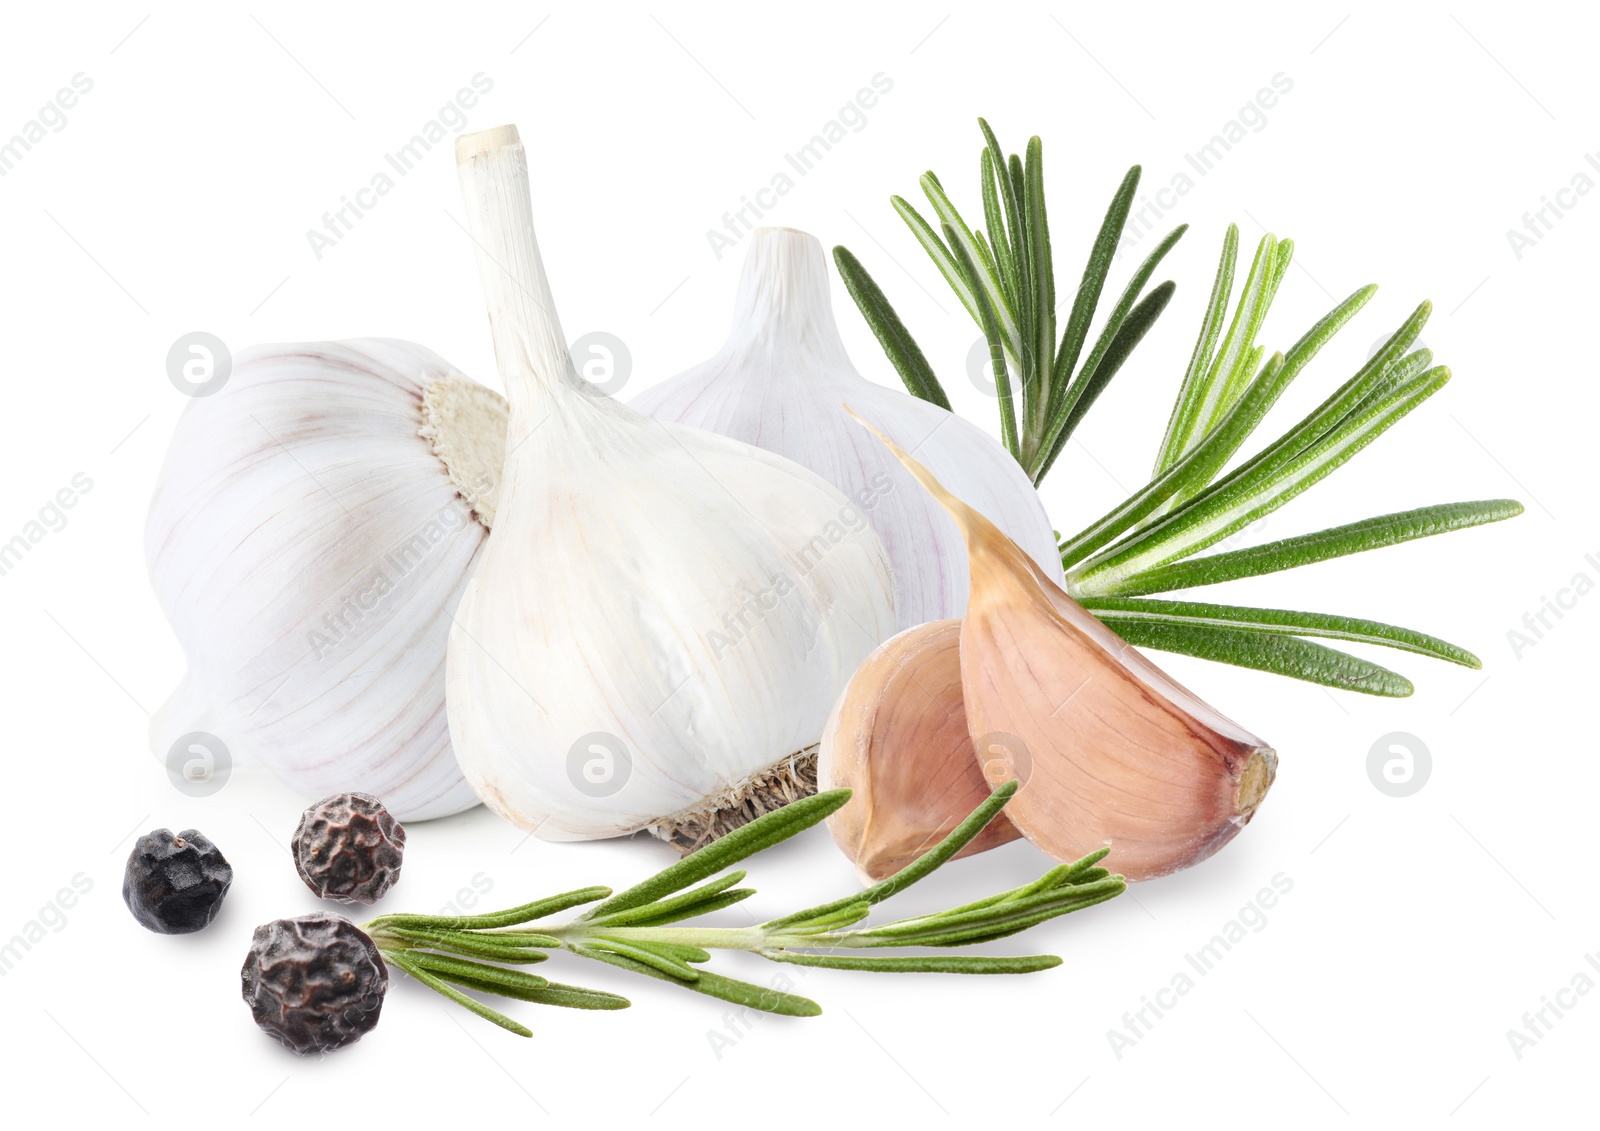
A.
x: 662, y: 617
x: 779, y: 383
x: 313, y: 527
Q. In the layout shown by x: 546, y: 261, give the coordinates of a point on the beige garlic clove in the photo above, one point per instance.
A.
x: 898, y: 737
x: 1110, y: 750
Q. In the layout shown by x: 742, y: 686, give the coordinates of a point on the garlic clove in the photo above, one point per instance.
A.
x: 898, y: 739
x: 778, y: 382
x: 313, y: 527
x: 1109, y: 749
x: 662, y: 617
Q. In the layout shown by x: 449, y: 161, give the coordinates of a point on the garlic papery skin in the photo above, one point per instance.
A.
x: 1108, y: 748
x: 662, y: 617
x: 898, y: 740
x: 778, y: 383
x: 311, y: 533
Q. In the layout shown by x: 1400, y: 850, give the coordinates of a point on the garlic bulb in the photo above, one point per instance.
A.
x: 311, y: 532
x: 662, y: 617
x: 779, y: 382
x: 898, y: 739
x: 1108, y: 748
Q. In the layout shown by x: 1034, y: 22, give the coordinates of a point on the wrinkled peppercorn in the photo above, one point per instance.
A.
x: 316, y: 982
x: 349, y: 848
x: 175, y: 884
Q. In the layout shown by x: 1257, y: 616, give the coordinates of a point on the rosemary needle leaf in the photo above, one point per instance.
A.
x: 504, y: 981
x: 1304, y: 549
x: 652, y: 955
x: 473, y: 946
x: 919, y: 868
x: 1129, y: 334
x: 714, y: 985
x: 1186, y: 409
x: 898, y: 344
x: 920, y: 964
x: 577, y: 997
x: 538, y: 909
x: 1093, y: 280
x: 937, y: 251
x: 1281, y: 655
x: 687, y: 904
x: 762, y: 833
x: 1117, y: 611
x: 400, y: 959
x: 991, y: 332
x: 715, y: 903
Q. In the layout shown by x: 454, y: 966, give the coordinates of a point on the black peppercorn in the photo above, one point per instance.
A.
x: 316, y: 983
x: 175, y: 884
x: 349, y: 848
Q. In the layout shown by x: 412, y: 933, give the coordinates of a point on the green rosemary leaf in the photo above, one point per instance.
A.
x: 920, y: 964
x: 715, y: 985
x: 577, y: 997
x: 1092, y: 282
x: 991, y: 331
x: 1235, y: 344
x: 471, y: 946
x: 527, y: 913
x: 960, y: 241
x: 1014, y: 231
x: 1281, y: 655
x: 970, y: 937
x: 716, y: 903
x: 1129, y: 334
x: 994, y: 221
x: 451, y: 968
x: 898, y: 344
x: 1194, y: 471
x: 1118, y: 611
x: 762, y: 833
x: 687, y: 903
x: 655, y: 955
x: 1062, y: 409
x: 923, y: 866
x: 400, y: 959
x: 1042, y: 324
x: 1186, y: 409
x: 1256, y: 489
x: 1304, y: 549
x: 941, y: 255
x: 982, y: 924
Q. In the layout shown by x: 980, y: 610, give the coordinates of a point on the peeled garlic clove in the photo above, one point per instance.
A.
x: 662, y: 617
x: 313, y: 527
x: 778, y: 383
x: 898, y: 739
x: 1109, y: 749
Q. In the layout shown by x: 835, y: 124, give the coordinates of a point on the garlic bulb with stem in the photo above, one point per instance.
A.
x: 311, y: 532
x: 1108, y: 748
x: 662, y: 617
x: 778, y: 382
x: 898, y: 739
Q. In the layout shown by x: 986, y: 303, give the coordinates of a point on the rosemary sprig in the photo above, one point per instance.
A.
x: 629, y: 930
x: 1148, y: 543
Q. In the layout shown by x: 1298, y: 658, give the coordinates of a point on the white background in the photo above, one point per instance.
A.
x: 1418, y: 930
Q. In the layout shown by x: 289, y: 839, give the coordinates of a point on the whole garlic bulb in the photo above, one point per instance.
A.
x: 312, y: 530
x: 779, y: 381
x: 662, y: 617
